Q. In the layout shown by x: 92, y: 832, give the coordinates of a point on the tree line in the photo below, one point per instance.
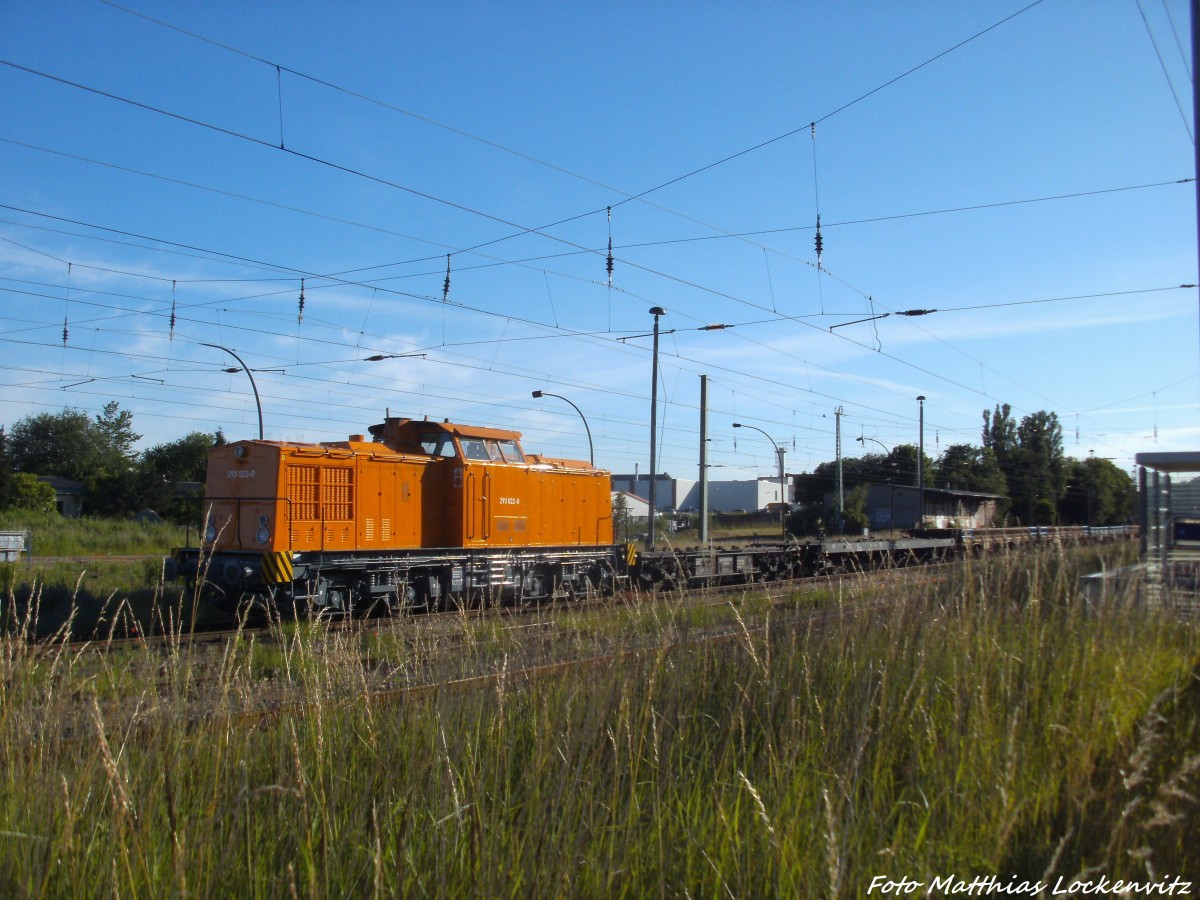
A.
x: 1023, y: 462
x: 98, y: 452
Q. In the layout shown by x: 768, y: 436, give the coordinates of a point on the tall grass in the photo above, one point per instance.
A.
x: 985, y: 724
x: 82, y: 570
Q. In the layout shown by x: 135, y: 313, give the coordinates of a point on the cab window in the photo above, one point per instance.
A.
x: 437, y: 444
x: 475, y: 448
x: 511, y: 452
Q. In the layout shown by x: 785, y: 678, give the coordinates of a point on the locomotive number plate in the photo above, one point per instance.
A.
x: 240, y: 473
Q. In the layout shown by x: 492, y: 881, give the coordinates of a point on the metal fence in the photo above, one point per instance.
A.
x: 13, y: 544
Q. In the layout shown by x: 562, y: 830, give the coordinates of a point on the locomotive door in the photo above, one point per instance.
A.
x: 479, y: 507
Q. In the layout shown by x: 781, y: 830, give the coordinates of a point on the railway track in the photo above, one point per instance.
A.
x: 261, y: 623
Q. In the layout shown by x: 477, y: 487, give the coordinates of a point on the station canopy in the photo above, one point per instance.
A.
x: 1185, y: 461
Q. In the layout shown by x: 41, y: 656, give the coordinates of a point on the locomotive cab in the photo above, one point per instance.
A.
x: 497, y: 495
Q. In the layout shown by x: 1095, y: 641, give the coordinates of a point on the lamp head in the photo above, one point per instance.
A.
x: 537, y: 394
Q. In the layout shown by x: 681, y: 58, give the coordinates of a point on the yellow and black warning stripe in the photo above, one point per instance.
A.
x: 277, y: 567
x: 631, y: 551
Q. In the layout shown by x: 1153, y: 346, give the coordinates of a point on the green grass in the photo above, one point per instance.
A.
x: 986, y: 723
x: 54, y: 536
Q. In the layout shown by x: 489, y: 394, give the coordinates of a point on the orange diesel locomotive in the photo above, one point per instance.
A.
x: 423, y: 513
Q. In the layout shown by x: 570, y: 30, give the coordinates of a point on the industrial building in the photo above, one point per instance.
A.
x: 750, y: 495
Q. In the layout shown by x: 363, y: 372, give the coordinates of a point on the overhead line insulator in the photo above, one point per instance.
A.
x: 609, y: 262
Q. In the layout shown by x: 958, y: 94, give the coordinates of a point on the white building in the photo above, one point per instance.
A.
x: 723, y: 496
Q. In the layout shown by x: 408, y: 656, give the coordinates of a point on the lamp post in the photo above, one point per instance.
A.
x: 591, y: 451
x: 254, y: 387
x: 779, y: 451
x: 921, y: 463
x: 657, y: 312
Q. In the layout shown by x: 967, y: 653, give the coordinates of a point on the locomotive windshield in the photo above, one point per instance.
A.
x: 491, y: 450
x: 437, y: 444
x: 475, y: 448
x: 511, y: 451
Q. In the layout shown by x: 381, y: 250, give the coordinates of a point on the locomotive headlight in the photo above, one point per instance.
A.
x: 264, y: 533
x: 210, y: 532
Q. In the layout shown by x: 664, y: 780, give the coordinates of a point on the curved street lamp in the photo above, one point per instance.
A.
x: 782, y: 486
x: 892, y: 507
x: 591, y: 449
x: 254, y: 387
x: 877, y: 441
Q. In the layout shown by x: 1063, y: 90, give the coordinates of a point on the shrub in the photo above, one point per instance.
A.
x: 26, y: 492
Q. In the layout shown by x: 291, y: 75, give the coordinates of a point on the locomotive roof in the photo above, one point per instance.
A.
x: 407, y: 428
x: 425, y: 426
x: 469, y: 430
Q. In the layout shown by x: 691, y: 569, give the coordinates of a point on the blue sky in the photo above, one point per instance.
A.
x: 1023, y: 170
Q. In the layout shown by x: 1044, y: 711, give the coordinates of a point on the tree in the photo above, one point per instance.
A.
x: 113, y: 487
x: 1030, y: 455
x: 1042, y: 475
x: 902, y: 462
x: 1000, y: 433
x: 854, y: 512
x: 115, y: 426
x: 898, y: 466
x: 963, y: 467
x: 1097, y: 493
x: 813, y: 489
x: 185, y: 459
x: 59, y: 444
x: 69, y: 444
x: 164, y: 465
